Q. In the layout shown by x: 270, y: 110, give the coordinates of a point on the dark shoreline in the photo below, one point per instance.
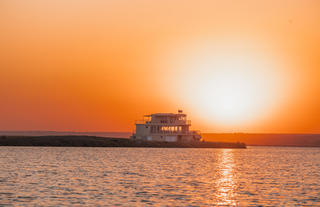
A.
x: 285, y: 140
x: 93, y: 141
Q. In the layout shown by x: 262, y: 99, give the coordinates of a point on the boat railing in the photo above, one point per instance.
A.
x: 177, y: 123
x: 175, y: 133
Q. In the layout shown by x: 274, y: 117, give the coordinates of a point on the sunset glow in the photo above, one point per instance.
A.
x: 159, y: 102
x: 100, y: 65
x: 231, y: 85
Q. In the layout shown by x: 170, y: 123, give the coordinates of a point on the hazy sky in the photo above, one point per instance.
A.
x: 249, y: 66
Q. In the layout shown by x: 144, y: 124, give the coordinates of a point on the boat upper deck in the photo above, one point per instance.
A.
x: 166, y: 119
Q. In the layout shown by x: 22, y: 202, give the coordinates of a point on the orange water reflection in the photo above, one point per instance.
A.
x: 225, y: 195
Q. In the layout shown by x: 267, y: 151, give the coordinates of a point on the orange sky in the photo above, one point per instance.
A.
x: 233, y: 66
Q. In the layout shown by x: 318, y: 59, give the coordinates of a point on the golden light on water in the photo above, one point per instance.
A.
x: 225, y: 195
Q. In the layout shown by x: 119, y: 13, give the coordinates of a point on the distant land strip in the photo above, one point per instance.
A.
x: 288, y: 140
x: 93, y: 141
x: 251, y: 139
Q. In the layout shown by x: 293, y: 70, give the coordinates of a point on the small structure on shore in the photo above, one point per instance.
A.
x: 165, y: 127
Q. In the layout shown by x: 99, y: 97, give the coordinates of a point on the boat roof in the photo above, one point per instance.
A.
x: 166, y: 114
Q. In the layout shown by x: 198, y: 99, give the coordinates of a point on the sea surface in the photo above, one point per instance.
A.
x: 70, y: 176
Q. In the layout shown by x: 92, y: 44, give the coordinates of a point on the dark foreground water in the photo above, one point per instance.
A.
x: 257, y: 176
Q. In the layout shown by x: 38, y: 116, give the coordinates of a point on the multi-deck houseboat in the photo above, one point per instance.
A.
x: 165, y: 127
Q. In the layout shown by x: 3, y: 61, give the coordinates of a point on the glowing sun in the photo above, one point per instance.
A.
x: 230, y: 87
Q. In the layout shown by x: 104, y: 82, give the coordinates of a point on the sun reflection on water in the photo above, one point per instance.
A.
x: 225, y: 195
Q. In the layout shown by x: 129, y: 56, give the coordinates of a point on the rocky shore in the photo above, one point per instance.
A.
x: 92, y: 141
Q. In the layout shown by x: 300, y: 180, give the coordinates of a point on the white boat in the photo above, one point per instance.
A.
x: 165, y: 127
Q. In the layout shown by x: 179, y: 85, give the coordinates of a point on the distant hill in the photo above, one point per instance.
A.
x: 70, y: 133
x: 303, y: 140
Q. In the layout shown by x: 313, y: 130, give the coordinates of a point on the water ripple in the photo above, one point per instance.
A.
x: 257, y: 176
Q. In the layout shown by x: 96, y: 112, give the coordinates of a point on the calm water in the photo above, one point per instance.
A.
x: 258, y: 176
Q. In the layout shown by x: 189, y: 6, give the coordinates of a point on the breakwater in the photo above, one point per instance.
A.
x: 92, y: 141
